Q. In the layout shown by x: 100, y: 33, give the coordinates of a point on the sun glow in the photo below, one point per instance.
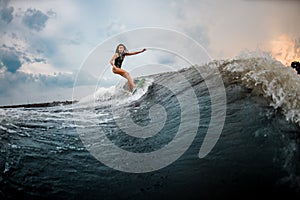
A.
x: 286, y: 49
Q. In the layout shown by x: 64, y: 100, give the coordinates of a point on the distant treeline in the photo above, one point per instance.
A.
x: 36, y: 105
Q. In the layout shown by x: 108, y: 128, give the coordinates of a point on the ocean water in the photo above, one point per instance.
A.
x: 46, y: 153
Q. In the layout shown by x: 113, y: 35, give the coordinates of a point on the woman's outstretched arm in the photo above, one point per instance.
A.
x: 134, y: 53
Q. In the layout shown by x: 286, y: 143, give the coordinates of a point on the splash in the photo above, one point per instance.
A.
x: 269, y: 78
x: 286, y: 49
x: 115, y: 94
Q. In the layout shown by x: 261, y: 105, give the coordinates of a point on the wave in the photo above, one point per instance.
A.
x: 278, y: 84
x: 39, y: 144
x: 117, y: 95
x: 263, y: 76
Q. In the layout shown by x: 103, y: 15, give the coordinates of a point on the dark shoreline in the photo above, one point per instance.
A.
x: 38, y: 105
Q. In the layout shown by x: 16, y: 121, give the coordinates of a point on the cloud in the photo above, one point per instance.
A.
x: 115, y: 27
x: 6, y: 15
x: 10, y: 60
x: 21, y: 78
x: 35, y: 19
x: 20, y: 87
x: 14, y: 58
x: 51, y: 13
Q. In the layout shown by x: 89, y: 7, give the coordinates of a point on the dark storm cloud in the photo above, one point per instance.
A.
x: 40, y: 82
x: 35, y: 19
x: 60, y: 80
x: 5, y: 12
x: 10, y: 60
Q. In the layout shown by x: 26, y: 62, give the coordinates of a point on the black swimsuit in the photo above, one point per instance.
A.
x: 119, y: 60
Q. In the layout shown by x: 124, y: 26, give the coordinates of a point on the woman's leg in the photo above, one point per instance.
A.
x: 126, y: 75
x: 131, y: 84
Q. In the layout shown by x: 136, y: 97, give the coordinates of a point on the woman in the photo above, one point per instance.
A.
x: 116, y: 62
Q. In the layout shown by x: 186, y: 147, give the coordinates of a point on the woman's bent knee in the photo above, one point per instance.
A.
x: 126, y: 74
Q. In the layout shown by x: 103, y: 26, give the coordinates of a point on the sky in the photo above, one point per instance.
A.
x: 43, y: 44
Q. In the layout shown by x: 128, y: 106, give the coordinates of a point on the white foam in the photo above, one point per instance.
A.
x: 7, y: 129
x: 2, y: 114
x: 116, y: 95
x: 278, y: 83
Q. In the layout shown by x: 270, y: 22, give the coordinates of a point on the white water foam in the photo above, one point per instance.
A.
x: 279, y: 84
x: 115, y: 95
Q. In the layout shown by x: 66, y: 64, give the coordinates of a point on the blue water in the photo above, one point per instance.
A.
x: 43, y: 155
